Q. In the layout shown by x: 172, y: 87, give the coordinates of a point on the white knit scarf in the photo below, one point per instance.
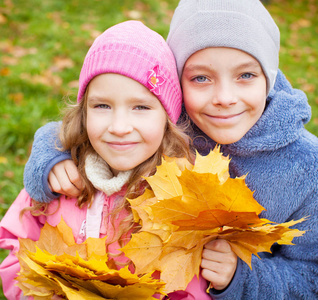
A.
x: 102, y: 178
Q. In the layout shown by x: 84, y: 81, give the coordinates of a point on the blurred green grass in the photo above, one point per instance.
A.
x: 43, y: 44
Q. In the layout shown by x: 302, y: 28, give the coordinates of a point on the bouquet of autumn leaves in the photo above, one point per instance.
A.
x: 190, y: 205
x: 186, y: 207
x: 56, y: 265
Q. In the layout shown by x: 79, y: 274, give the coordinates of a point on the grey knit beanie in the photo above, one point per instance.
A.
x: 241, y: 24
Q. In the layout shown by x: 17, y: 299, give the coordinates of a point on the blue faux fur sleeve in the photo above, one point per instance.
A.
x: 43, y: 157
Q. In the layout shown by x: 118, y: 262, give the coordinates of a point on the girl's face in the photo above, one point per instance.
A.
x: 125, y: 121
x: 224, y: 92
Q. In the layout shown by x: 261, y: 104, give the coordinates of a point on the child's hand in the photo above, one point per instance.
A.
x: 65, y: 179
x: 218, y: 263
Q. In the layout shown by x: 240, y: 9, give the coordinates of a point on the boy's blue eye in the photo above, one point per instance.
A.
x: 247, y: 76
x: 200, y: 79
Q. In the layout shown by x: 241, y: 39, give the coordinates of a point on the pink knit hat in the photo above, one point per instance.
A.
x: 133, y: 50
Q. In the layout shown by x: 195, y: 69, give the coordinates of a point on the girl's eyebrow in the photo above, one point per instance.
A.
x: 141, y: 99
x: 93, y: 99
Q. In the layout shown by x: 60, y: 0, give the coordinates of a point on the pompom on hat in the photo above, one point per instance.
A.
x: 241, y: 24
x: 134, y: 50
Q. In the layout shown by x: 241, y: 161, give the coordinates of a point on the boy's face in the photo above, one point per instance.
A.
x: 224, y: 92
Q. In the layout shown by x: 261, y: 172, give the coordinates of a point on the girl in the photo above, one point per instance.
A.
x: 227, y: 54
x: 128, y: 102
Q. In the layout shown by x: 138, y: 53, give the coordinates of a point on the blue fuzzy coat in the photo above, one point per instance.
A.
x: 281, y: 160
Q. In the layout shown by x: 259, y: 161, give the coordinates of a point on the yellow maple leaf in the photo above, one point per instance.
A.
x: 165, y: 183
x: 218, y: 165
x: 51, y: 240
x: 65, y: 232
x: 144, y: 248
x: 141, y: 208
x: 182, y: 163
x: 47, y: 270
x: 35, y: 281
x: 95, y: 247
x: 176, y: 224
x: 178, y: 267
x: 206, y: 191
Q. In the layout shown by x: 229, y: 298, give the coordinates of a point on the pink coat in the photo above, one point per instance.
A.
x: 84, y: 222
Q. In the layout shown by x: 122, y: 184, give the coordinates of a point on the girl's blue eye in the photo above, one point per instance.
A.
x: 200, y: 79
x: 104, y: 106
x: 141, y: 107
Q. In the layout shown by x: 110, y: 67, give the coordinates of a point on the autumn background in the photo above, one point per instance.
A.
x: 43, y: 44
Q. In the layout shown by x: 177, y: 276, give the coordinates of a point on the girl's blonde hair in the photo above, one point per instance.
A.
x: 74, y: 138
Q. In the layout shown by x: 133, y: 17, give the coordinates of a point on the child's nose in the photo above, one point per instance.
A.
x: 224, y: 94
x: 120, y: 124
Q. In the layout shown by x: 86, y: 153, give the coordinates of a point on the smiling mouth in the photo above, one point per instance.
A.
x: 225, y: 116
x: 224, y: 120
x: 121, y: 145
